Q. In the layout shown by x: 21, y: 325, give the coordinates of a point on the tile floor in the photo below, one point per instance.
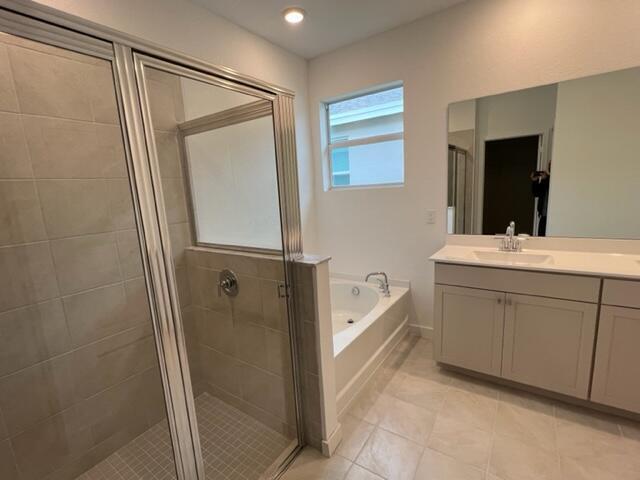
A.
x: 416, y: 421
x: 235, y: 446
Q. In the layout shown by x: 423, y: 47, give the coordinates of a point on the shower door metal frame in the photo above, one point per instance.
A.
x: 47, y: 25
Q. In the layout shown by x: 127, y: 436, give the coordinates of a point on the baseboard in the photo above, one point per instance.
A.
x: 329, y: 445
x: 421, y: 331
x: 357, y: 383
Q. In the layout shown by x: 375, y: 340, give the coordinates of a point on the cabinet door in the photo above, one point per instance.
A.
x: 468, y: 328
x: 548, y: 343
x: 616, y: 374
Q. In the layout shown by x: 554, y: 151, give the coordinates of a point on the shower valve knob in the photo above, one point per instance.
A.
x: 227, y: 283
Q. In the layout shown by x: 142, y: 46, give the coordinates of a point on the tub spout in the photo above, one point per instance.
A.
x: 382, y: 284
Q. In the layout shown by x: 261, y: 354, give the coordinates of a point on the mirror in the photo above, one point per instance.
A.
x: 559, y: 160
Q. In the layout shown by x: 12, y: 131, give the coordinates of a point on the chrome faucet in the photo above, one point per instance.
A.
x: 510, y: 243
x: 382, y: 284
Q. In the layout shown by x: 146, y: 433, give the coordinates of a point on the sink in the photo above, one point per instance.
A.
x: 512, y: 257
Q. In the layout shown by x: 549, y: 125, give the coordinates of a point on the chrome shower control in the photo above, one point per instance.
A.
x: 227, y: 283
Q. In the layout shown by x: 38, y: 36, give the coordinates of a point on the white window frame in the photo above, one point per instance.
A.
x: 387, y: 137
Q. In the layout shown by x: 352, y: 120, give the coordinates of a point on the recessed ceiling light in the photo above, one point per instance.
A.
x: 293, y: 14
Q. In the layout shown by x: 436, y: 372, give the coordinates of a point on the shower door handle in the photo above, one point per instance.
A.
x: 227, y: 283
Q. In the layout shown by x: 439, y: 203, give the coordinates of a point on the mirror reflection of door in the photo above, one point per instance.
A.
x: 508, y: 165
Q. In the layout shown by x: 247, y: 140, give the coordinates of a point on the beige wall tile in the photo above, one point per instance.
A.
x: 168, y: 154
x: 184, y: 291
x: 271, y: 268
x: 86, y: 262
x: 105, y: 363
x: 163, y: 101
x: 215, y: 329
x: 180, y: 236
x: 51, y: 444
x: 8, y: 98
x: 129, y: 253
x: 175, y: 200
x: 32, y: 334
x: 20, y: 215
x: 8, y: 468
x: 221, y: 370
x: 120, y: 204
x: 66, y: 149
x: 262, y: 389
x: 75, y: 207
x: 3, y: 428
x: 247, y: 306
x: 60, y: 86
x: 50, y: 85
x: 204, y: 291
x: 14, y: 155
x: 309, y: 350
x: 278, y: 353
x: 274, y: 308
x: 138, y: 309
x: 96, y: 313
x: 251, y: 343
x: 26, y: 275
x: 37, y: 392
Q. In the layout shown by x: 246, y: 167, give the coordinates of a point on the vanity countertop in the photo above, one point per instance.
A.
x: 560, y: 261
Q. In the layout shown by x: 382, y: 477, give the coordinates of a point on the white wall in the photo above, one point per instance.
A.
x: 186, y: 27
x: 462, y: 115
x: 595, y: 176
x: 515, y: 114
x: 472, y: 50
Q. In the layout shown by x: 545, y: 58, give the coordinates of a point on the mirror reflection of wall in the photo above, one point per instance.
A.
x: 587, y: 126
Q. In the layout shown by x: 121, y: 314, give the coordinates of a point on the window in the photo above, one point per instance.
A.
x: 366, y: 139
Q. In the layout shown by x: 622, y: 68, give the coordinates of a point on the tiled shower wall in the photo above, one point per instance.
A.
x: 78, y: 367
x: 238, y: 347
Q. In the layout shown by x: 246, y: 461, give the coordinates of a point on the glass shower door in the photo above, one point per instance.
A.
x: 80, y: 385
x: 212, y: 152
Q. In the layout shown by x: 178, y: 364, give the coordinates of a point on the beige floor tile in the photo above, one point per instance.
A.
x: 476, y: 386
x: 513, y: 459
x: 370, y: 405
x: 573, y: 415
x: 436, y: 466
x: 311, y: 465
x: 475, y: 410
x: 528, y: 401
x: 461, y: 441
x: 355, y: 433
x: 408, y: 420
x: 526, y: 425
x: 599, y: 467
x: 390, y: 455
x: 359, y: 473
x: 630, y: 429
x: 422, y: 392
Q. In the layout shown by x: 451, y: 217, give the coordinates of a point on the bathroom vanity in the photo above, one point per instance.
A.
x: 562, y: 321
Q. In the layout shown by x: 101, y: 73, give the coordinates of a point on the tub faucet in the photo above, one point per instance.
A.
x: 382, y: 284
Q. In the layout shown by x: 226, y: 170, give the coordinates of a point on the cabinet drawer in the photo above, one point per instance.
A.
x: 553, y: 285
x: 622, y: 293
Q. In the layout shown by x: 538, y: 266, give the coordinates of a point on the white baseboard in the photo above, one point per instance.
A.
x: 420, y: 331
x: 329, y: 445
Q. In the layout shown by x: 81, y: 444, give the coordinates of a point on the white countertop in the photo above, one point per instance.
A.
x: 561, y: 261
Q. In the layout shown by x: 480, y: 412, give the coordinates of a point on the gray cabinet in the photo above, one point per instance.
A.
x: 616, y: 374
x: 468, y: 328
x: 548, y: 343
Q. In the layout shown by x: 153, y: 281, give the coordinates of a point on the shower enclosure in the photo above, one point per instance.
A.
x: 149, y: 218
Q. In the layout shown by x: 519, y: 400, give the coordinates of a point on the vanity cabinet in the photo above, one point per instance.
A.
x: 616, y: 374
x: 469, y: 324
x: 548, y: 343
x: 533, y: 328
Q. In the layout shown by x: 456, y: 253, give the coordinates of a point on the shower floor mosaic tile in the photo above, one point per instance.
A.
x: 235, y: 446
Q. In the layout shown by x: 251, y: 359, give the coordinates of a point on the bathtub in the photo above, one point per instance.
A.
x: 366, y: 327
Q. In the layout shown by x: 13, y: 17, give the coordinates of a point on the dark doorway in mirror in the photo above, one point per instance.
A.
x: 508, y: 164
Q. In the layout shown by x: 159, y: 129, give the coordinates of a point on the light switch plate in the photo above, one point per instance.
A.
x: 431, y: 217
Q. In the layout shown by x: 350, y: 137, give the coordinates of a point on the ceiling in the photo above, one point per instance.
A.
x: 329, y: 24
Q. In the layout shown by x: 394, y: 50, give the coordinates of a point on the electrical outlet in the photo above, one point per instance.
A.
x: 431, y: 217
